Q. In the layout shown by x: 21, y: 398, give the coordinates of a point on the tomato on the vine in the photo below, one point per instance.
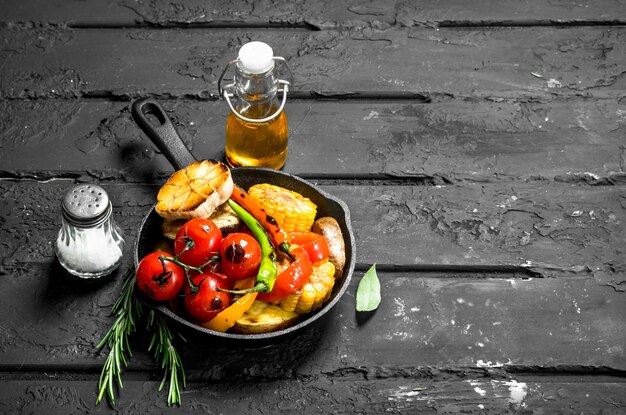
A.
x: 208, y: 301
x: 198, y: 242
x: 158, y: 278
x: 240, y: 256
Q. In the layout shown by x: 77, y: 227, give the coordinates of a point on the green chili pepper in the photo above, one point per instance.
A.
x: 267, y: 269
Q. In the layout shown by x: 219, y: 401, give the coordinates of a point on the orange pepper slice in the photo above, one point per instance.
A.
x: 227, y: 318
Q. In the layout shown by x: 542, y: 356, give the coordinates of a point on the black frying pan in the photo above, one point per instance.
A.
x: 163, y: 134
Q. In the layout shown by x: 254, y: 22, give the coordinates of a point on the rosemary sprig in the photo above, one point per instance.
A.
x: 165, y: 352
x: 128, y: 311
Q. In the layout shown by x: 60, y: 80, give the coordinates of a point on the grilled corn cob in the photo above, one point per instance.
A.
x: 292, y: 211
x: 314, y: 293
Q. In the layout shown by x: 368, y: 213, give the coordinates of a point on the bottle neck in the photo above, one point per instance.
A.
x: 256, y: 88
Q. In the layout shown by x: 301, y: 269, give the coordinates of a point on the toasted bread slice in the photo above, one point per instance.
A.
x: 224, y: 217
x: 195, y: 191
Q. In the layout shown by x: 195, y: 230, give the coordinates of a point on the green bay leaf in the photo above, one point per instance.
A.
x: 368, y: 291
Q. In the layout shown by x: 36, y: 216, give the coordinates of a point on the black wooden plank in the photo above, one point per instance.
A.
x: 446, y: 323
x: 323, y: 396
x: 446, y: 142
x: 545, y: 227
x: 320, y: 14
x: 498, y: 63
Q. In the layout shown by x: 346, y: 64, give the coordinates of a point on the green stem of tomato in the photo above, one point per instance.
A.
x: 193, y: 288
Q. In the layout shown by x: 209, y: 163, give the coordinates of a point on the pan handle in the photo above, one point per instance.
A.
x: 163, y: 135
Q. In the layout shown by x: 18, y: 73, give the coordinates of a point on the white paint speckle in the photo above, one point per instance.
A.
x: 553, y: 83
x: 518, y: 391
x: 477, y: 389
x: 404, y: 394
x: 372, y: 114
x: 400, y: 310
x: 482, y: 363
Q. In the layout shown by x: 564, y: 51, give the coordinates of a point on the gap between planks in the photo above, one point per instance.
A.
x: 309, y: 26
x: 569, y: 374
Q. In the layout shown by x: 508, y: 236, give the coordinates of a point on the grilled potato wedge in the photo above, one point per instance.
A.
x: 264, y: 318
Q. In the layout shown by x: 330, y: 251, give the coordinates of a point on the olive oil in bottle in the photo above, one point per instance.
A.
x: 256, y: 129
x: 261, y: 144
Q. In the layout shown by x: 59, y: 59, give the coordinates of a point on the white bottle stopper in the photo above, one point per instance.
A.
x: 256, y: 58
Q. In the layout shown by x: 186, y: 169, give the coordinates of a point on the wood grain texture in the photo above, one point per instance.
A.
x: 437, y: 143
x: 495, y: 63
x: 479, y: 146
x: 464, y: 315
x: 324, y: 396
x: 450, y: 323
x: 548, y: 228
x: 318, y: 14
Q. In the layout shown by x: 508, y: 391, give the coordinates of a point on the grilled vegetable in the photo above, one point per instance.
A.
x: 278, y: 235
x: 229, y: 316
x: 329, y: 227
x: 291, y: 279
x: 313, y: 243
x: 266, y: 276
x: 195, y: 192
x: 223, y: 217
x: 263, y: 318
x: 314, y: 293
x: 291, y: 210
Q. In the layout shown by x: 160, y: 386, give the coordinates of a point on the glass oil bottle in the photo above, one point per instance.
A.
x: 257, y: 131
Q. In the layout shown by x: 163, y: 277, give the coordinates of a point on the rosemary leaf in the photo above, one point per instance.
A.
x: 128, y: 310
x: 165, y: 353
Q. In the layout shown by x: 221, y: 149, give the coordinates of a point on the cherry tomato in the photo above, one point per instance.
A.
x: 159, y: 278
x: 208, y: 301
x: 200, y: 240
x: 292, y: 279
x: 240, y: 256
x: 313, y: 243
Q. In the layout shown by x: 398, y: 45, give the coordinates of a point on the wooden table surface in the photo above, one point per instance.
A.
x: 480, y: 146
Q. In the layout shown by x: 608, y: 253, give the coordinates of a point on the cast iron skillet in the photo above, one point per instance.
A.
x: 163, y: 134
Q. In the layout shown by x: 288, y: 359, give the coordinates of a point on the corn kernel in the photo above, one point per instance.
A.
x: 292, y: 211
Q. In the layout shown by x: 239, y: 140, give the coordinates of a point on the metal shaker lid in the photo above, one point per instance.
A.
x: 86, y: 205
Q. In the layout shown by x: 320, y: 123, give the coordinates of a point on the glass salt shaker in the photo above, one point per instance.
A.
x: 89, y: 244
